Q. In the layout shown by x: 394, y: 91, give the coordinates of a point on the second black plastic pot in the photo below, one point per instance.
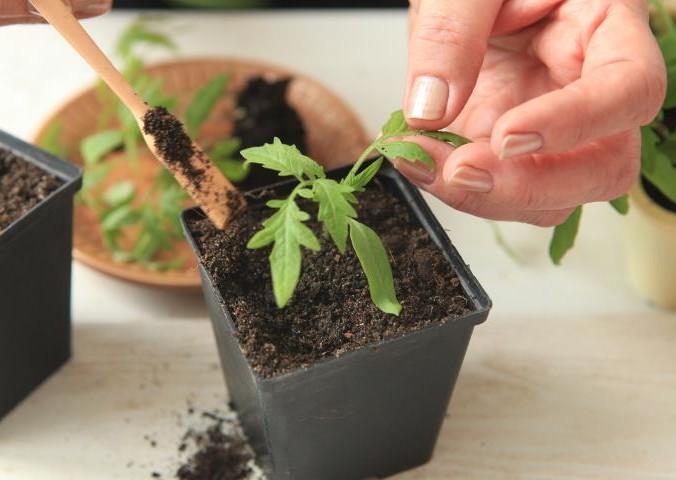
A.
x: 35, y: 272
x: 368, y: 413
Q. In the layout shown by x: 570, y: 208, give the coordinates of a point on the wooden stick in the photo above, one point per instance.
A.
x: 212, y: 191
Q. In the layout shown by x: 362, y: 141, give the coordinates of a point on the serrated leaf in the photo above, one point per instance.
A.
x: 407, y: 150
x: 51, y: 139
x: 448, y: 137
x: 564, y: 236
x: 96, y: 146
x: 395, y: 125
x: 376, y: 265
x: 334, y: 209
x: 360, y: 180
x: 621, y: 204
x: 286, y: 230
x: 287, y: 160
x: 203, y: 103
x: 119, y: 194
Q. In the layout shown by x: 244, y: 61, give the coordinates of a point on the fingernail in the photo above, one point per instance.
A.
x: 471, y: 179
x: 520, y: 144
x: 415, y: 172
x: 428, y: 98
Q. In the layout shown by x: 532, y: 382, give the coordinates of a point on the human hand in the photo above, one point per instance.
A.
x: 20, y: 11
x: 552, y: 92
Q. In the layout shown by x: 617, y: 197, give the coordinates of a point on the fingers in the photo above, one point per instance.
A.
x: 537, y: 189
x: 621, y: 87
x: 20, y: 11
x: 446, y: 48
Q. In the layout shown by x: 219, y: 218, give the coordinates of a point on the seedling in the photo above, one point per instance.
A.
x: 150, y: 217
x: 286, y: 230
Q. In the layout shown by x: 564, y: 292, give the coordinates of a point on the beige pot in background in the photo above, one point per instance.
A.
x: 651, y: 249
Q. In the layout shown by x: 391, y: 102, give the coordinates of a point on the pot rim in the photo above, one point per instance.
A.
x: 411, y: 196
x: 68, y: 173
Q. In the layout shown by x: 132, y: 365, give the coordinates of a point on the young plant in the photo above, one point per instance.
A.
x: 136, y: 226
x: 287, y: 232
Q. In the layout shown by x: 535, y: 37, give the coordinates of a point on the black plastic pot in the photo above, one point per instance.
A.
x: 35, y: 264
x: 367, y: 414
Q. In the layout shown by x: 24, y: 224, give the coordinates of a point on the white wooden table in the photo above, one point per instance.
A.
x: 571, y: 377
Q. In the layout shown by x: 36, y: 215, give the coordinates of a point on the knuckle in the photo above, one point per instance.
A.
x: 652, y: 88
x: 625, y: 170
x: 443, y: 30
x: 581, y: 128
x: 464, y: 202
x: 528, y: 197
x: 548, y: 218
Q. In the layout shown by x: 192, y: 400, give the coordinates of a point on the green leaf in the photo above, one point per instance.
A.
x: 448, y: 137
x: 564, y: 236
x: 96, y: 146
x: 670, y: 98
x: 119, y: 193
x: 334, y: 209
x: 234, y: 170
x: 395, y: 125
x: 662, y: 175
x: 360, y: 180
x: 621, y: 204
x: 376, y: 266
x: 51, y: 139
x: 94, y: 175
x: 649, y: 139
x: 287, y: 160
x: 407, y: 150
x: 203, y: 103
x: 226, y: 148
x: 119, y: 217
x: 286, y: 229
x: 140, y: 33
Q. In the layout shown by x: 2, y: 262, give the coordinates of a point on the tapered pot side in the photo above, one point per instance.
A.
x: 367, y: 413
x: 35, y: 273
x: 650, y: 246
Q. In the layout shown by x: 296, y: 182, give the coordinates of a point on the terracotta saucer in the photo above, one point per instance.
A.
x: 334, y: 134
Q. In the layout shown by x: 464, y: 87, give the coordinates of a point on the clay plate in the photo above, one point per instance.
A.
x: 331, y: 126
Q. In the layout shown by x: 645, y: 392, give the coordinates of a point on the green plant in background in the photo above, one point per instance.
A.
x: 286, y: 230
x: 153, y: 213
x: 658, y: 140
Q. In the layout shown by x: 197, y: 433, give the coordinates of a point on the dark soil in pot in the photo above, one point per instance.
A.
x: 22, y: 187
x: 331, y: 312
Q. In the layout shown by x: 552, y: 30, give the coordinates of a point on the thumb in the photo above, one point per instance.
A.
x: 446, y: 49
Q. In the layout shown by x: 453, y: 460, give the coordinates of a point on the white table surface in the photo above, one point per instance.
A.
x: 572, y: 376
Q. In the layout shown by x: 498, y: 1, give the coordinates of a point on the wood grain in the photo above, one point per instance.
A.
x: 539, y: 397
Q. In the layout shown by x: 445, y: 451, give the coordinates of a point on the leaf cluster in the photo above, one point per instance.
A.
x: 287, y: 232
x: 155, y: 220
